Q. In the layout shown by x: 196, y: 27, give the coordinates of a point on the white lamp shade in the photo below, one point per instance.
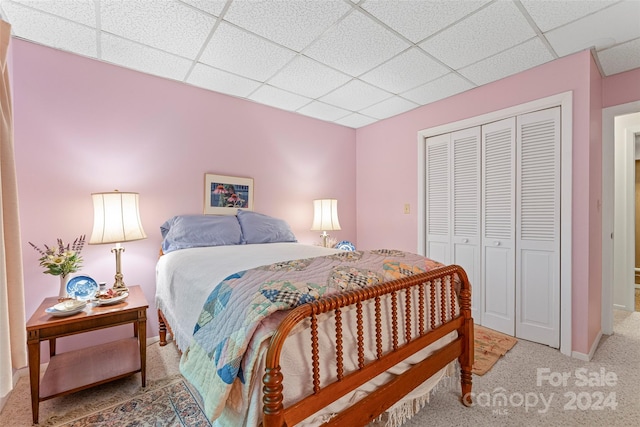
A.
x: 325, y: 215
x: 116, y: 218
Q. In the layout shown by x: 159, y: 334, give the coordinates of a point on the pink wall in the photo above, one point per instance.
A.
x: 387, y: 168
x: 84, y: 126
x: 621, y: 88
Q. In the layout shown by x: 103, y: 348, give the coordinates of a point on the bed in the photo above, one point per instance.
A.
x: 314, y: 335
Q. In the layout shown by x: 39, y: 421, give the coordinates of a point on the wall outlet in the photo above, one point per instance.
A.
x: 407, y: 208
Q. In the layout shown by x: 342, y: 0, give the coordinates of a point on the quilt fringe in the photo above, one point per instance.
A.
x: 398, y: 415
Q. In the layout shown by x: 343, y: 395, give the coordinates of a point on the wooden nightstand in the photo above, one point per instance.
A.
x: 80, y: 369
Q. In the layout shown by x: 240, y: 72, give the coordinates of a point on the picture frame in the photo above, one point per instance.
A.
x: 224, y: 195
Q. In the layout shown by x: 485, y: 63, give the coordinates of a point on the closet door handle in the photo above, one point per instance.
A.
x: 496, y: 243
x: 465, y: 240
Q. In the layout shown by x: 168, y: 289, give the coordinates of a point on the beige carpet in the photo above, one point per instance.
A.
x: 519, y: 376
x: 489, y: 345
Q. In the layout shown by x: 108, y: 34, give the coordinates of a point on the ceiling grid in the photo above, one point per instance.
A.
x: 351, y: 62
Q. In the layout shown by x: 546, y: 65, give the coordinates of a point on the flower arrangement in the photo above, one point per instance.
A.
x: 60, y: 260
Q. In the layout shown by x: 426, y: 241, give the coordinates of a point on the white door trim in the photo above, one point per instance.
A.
x: 608, y: 144
x: 565, y: 101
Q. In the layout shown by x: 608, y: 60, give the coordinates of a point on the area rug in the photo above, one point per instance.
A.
x: 171, y: 405
x: 490, y: 345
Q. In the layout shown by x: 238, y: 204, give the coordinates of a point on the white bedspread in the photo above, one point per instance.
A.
x: 206, y: 267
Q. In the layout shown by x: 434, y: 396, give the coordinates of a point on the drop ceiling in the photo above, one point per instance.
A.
x: 352, y: 62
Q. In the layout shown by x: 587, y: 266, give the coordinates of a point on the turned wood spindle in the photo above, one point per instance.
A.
x: 315, y: 353
x: 339, y: 356
x: 360, y: 335
x: 378, y: 328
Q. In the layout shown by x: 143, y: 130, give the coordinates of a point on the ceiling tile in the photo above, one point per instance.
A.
x: 511, y: 61
x: 551, y: 14
x: 323, y: 111
x: 355, y: 120
x: 443, y: 87
x: 407, y: 70
x: 355, y: 95
x: 143, y: 58
x: 221, y: 81
x: 349, y: 61
x: 417, y: 20
x: 167, y: 25
x: 80, y: 11
x: 389, y: 107
x: 50, y: 31
x: 243, y: 53
x: 616, y: 24
x: 356, y: 45
x: 308, y: 77
x: 213, y: 7
x: 278, y: 98
x: 292, y: 23
x: 623, y: 57
x: 487, y: 32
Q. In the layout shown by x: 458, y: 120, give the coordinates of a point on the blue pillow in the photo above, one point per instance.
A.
x: 192, y: 231
x: 260, y: 228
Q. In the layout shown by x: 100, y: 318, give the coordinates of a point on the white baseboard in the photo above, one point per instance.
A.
x: 592, y: 351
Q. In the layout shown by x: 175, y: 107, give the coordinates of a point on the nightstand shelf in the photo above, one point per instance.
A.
x: 91, y: 366
x: 87, y: 367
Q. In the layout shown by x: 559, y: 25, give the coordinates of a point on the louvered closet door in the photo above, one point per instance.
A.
x: 538, y: 227
x: 465, y: 207
x: 498, y: 225
x: 437, y: 209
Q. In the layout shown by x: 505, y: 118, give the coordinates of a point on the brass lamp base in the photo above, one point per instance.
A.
x: 119, y: 283
x: 324, y: 236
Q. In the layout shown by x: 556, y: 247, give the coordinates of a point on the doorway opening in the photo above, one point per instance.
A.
x: 620, y: 123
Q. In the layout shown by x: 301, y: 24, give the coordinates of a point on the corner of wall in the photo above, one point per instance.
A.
x: 588, y: 356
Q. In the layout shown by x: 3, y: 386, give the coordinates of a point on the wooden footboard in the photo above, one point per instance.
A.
x: 452, y: 317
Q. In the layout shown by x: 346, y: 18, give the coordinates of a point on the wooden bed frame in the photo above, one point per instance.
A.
x: 452, y: 318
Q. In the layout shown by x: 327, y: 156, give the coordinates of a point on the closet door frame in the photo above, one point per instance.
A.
x: 565, y: 101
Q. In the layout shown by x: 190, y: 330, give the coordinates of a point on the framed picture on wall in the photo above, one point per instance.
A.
x: 224, y: 195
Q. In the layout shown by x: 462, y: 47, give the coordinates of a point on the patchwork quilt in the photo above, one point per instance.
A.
x: 224, y: 351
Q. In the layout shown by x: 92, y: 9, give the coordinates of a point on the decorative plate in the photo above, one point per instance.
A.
x: 109, y: 301
x: 70, y: 305
x: 62, y: 313
x: 345, y: 246
x: 82, y: 288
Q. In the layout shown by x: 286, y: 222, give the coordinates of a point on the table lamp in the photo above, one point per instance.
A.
x: 325, y: 217
x: 116, y: 219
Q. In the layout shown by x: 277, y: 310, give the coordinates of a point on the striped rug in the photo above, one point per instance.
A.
x: 490, y: 345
